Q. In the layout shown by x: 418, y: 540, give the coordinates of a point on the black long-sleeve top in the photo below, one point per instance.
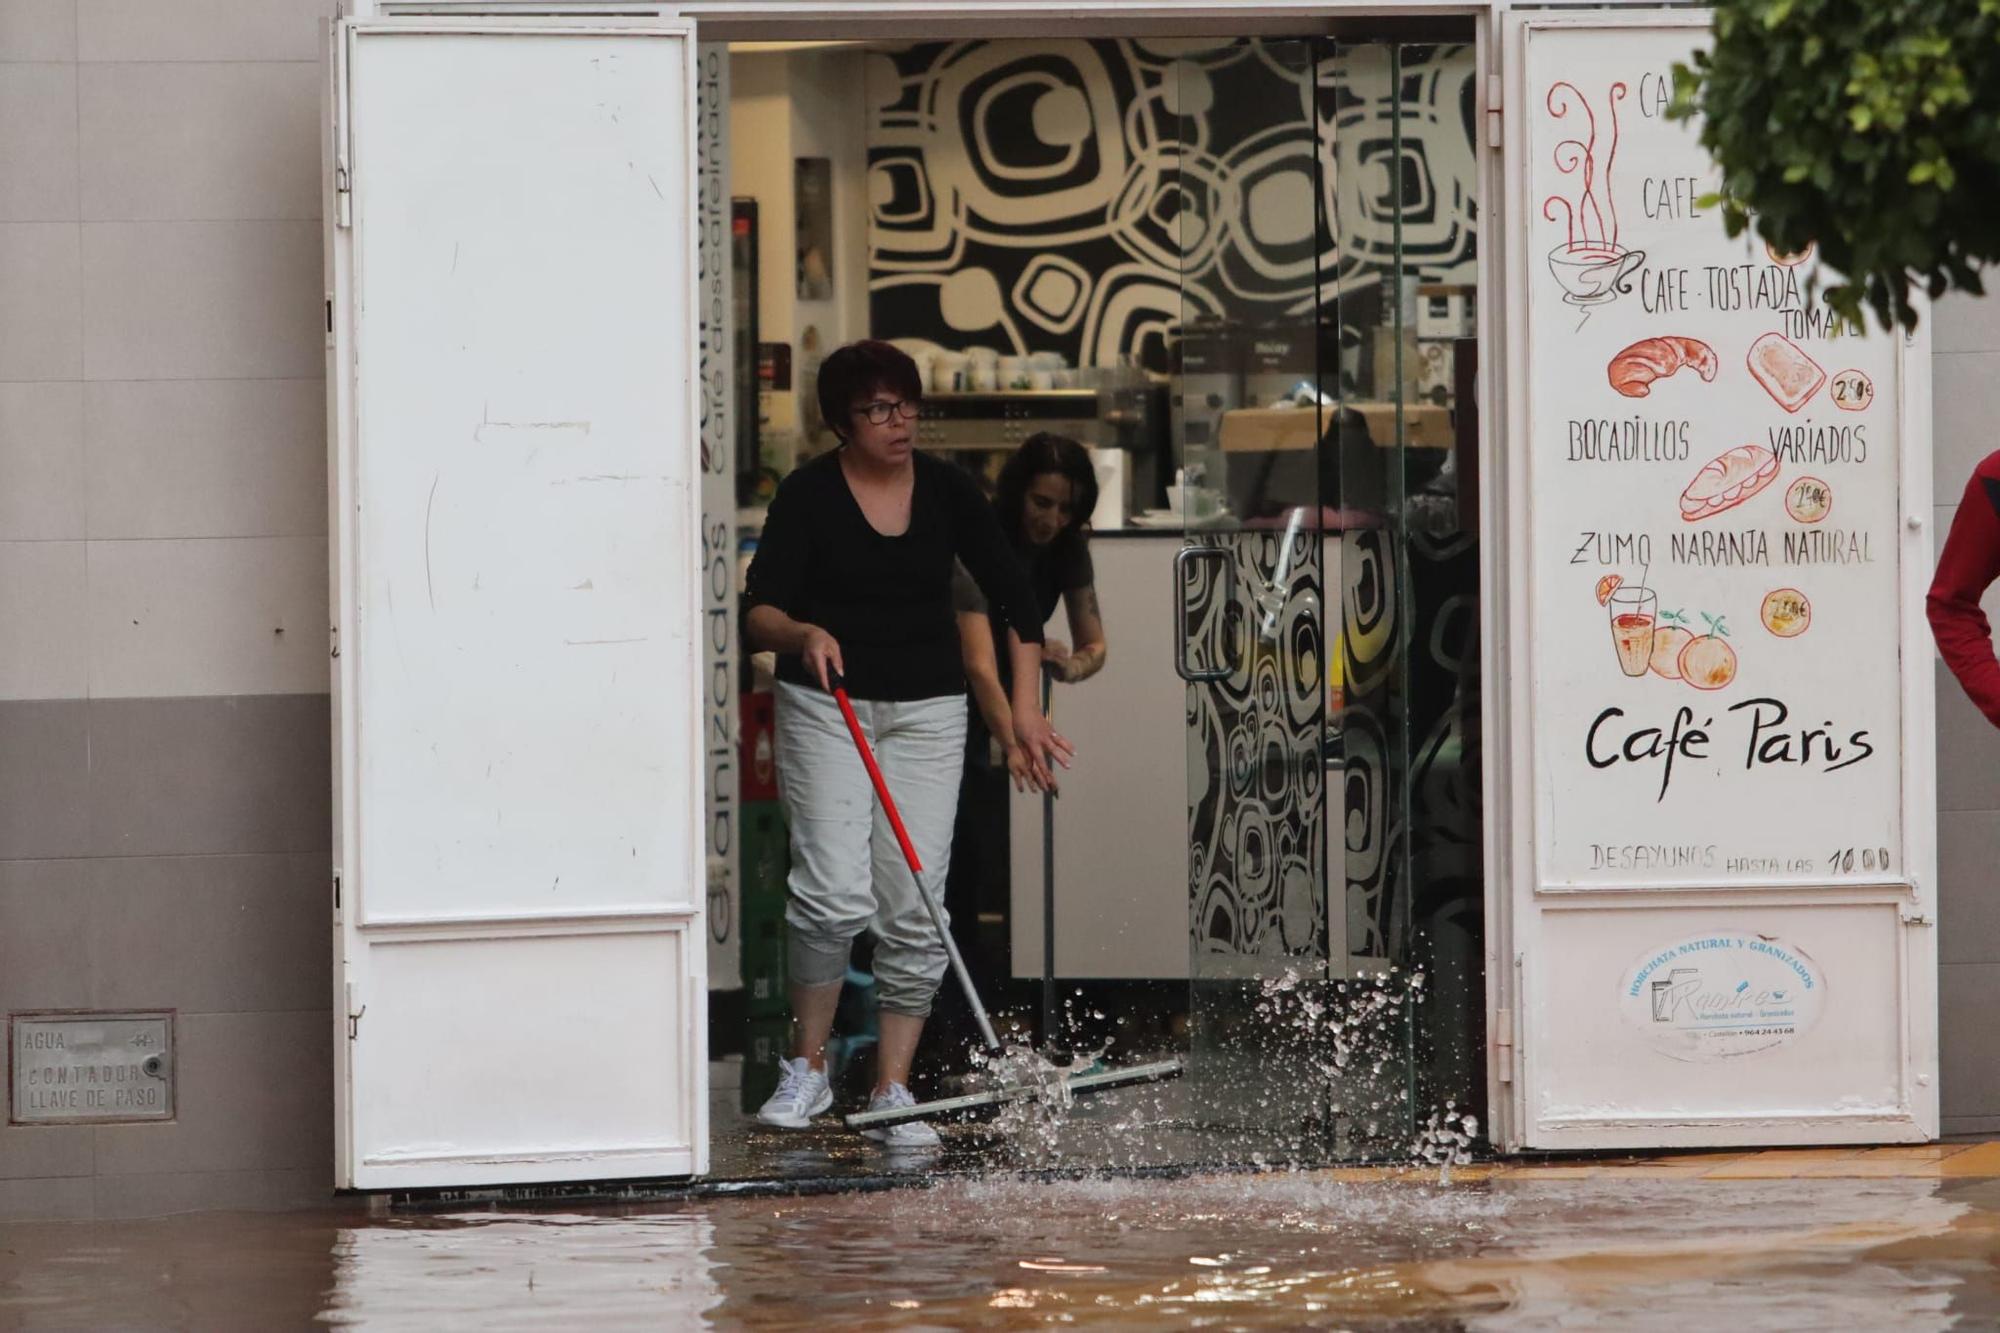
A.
x: 886, y: 600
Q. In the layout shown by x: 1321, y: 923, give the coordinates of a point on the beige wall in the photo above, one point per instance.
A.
x: 163, y: 671
x: 786, y: 105
x: 1965, y: 379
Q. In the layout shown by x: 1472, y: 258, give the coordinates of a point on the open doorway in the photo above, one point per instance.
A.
x: 1242, y: 274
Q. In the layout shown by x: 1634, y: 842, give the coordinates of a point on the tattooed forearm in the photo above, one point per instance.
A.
x: 1085, y: 662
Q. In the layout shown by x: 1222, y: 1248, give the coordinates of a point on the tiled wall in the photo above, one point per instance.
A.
x: 1965, y: 380
x: 163, y: 668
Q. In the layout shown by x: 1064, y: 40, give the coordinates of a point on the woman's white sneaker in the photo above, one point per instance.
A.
x: 803, y: 1093
x: 904, y: 1133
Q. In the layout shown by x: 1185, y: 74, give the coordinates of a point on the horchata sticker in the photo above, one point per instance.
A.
x: 1709, y: 997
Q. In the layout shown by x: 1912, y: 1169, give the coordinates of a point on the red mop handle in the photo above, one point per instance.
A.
x: 875, y: 774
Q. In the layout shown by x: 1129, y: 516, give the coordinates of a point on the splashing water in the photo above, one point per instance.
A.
x: 1349, y: 1026
x: 1353, y: 1035
x: 1446, y: 1140
x: 1297, y: 1071
x: 1033, y: 1120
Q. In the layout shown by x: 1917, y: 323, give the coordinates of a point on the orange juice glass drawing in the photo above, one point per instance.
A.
x: 1634, y: 612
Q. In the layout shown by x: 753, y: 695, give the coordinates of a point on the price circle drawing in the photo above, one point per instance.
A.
x: 1809, y: 500
x: 1852, y: 391
x: 1786, y: 612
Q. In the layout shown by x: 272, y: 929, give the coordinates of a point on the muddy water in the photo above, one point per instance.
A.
x: 1280, y: 1251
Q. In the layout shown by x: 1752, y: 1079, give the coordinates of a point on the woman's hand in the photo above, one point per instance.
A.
x: 821, y: 656
x: 1055, y: 655
x: 770, y: 630
x: 1044, y: 749
x: 1020, y: 768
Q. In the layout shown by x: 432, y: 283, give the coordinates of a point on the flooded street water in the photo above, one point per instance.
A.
x: 1892, y: 1242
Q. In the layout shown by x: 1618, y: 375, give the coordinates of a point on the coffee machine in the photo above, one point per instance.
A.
x: 1133, y: 407
x: 980, y: 430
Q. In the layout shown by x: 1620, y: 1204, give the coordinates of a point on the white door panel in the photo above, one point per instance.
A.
x: 473, y: 1075
x: 1720, y: 858
x: 517, y: 545
x: 1604, y: 1073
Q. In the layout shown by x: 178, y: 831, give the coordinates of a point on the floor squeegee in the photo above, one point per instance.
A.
x: 1009, y: 1074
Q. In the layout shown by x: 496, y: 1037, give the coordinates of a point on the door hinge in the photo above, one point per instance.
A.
x: 336, y: 890
x: 333, y: 632
x: 1493, y: 107
x: 353, y: 1014
x: 343, y: 196
x: 1503, y: 1042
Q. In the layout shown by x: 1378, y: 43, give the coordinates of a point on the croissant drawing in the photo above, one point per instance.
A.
x: 1633, y: 370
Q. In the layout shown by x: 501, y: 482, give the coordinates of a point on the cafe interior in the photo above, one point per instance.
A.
x: 1242, y: 274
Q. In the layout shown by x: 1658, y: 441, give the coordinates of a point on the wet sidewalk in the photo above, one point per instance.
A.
x: 1971, y: 1159
x: 1881, y: 1238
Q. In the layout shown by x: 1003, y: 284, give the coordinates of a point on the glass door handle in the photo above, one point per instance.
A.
x: 1184, y: 560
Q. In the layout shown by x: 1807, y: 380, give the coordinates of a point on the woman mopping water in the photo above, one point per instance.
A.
x: 853, y: 576
x: 1046, y: 492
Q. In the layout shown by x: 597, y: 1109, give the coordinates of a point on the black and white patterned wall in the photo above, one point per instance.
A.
x: 1256, y: 769
x: 1038, y: 196
x: 1401, y: 754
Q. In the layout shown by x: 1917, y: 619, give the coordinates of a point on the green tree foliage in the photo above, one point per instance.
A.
x: 1868, y: 127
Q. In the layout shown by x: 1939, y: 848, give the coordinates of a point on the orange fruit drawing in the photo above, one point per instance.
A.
x: 1668, y: 640
x: 1786, y: 613
x: 1606, y: 586
x: 1709, y: 663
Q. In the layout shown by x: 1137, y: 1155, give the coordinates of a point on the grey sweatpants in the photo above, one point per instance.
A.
x: 848, y: 873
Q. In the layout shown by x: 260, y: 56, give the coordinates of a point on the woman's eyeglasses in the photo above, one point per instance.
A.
x: 879, y: 411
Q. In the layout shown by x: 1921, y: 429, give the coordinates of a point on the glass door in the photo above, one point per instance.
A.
x: 1300, y: 429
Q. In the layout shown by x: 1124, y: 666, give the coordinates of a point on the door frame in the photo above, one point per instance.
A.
x: 858, y: 20
x: 1509, y: 832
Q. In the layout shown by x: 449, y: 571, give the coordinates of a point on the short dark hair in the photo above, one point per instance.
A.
x: 851, y: 373
x: 1039, y: 453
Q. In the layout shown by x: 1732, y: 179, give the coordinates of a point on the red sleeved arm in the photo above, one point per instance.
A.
x: 1967, y: 567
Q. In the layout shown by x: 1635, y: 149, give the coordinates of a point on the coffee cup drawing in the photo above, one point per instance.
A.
x: 1593, y: 273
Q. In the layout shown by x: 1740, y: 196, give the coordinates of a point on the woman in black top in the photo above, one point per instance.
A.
x: 1046, y: 493
x: 853, y: 575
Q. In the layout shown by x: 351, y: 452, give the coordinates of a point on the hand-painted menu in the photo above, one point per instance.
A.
x: 1713, y: 495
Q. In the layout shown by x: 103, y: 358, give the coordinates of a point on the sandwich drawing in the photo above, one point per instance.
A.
x: 1727, y: 480
x: 1787, y: 373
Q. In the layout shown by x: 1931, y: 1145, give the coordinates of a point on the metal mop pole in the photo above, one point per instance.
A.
x: 1048, y: 887
x: 916, y: 866
x: 1076, y: 1084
